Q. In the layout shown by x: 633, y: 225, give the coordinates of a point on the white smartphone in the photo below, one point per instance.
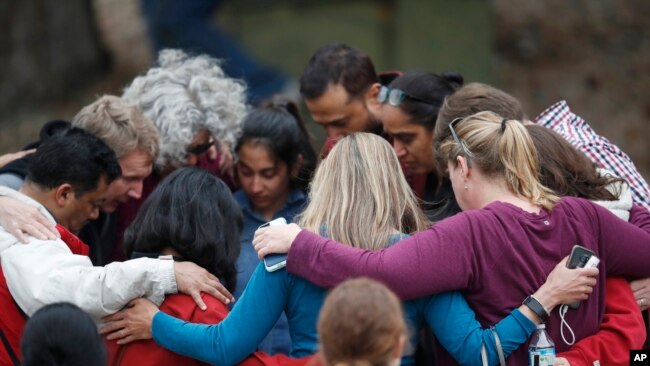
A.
x: 273, y: 262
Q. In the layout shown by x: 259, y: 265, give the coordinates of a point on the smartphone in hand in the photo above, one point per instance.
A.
x: 274, y: 262
x: 581, y: 257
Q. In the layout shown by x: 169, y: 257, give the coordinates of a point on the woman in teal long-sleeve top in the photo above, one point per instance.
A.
x: 360, y: 195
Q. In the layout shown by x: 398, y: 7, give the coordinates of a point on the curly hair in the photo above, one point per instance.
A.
x: 184, y: 94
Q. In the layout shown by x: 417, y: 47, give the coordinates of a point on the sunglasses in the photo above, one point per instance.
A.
x: 395, y: 97
x: 460, y: 143
x: 200, y: 149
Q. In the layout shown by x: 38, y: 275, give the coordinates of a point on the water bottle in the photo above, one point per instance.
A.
x: 541, y: 351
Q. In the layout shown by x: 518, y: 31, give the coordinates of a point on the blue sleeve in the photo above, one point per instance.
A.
x: 237, y: 336
x: 455, y: 326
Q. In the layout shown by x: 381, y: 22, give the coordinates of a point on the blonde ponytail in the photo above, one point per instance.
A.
x: 502, y: 148
x: 521, y: 164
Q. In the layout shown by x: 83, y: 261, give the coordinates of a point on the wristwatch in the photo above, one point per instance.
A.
x: 537, y: 308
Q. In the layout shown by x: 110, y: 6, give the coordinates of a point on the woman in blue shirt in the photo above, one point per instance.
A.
x: 275, y: 163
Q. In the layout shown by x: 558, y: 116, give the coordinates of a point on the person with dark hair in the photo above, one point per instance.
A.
x: 410, y: 105
x: 202, y: 228
x: 61, y: 334
x: 340, y: 88
x: 177, y: 221
x: 274, y: 167
x: 67, y: 181
x: 133, y: 137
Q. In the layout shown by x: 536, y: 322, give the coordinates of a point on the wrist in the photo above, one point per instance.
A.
x: 537, y: 308
x: 547, y: 298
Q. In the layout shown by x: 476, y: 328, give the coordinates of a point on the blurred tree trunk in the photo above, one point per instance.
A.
x: 49, y: 49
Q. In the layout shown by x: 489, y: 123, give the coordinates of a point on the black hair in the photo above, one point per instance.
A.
x: 279, y: 127
x: 337, y: 63
x: 62, y: 334
x: 76, y: 157
x: 428, y: 87
x: 194, y: 213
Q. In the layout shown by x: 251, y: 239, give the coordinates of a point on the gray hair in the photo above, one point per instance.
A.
x: 183, y: 95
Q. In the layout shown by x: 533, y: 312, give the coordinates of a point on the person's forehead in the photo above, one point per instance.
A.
x: 135, y: 161
x: 394, y: 118
x: 335, y: 103
x: 256, y: 157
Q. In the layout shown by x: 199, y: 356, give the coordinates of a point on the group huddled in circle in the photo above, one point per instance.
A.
x: 436, y: 226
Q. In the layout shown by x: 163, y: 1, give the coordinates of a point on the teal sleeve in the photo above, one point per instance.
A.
x: 237, y: 336
x: 455, y: 326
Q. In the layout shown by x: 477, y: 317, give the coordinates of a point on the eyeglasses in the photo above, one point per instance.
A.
x: 395, y: 97
x: 460, y: 143
x: 200, y: 149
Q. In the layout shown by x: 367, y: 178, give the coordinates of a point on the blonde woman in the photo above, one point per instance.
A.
x: 361, y: 323
x: 358, y: 196
x: 511, y: 233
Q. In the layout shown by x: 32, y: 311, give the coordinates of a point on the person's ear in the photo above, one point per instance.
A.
x: 371, y: 97
x: 461, y: 162
x: 64, y: 194
x: 399, y: 350
x: 297, y: 165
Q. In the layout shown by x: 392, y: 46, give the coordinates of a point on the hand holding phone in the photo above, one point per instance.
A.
x: 581, y: 257
x: 274, y: 262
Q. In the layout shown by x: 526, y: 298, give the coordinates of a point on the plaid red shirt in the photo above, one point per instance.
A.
x: 576, y: 131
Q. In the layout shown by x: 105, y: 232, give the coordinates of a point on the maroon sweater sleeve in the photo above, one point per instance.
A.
x: 624, y: 243
x: 427, y: 262
x: 640, y: 217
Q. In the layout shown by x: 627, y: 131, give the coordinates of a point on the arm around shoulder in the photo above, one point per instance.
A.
x: 45, y: 272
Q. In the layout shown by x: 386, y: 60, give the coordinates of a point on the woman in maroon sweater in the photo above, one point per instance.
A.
x: 512, y: 232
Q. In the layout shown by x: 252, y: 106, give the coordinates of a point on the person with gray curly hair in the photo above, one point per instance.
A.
x: 189, y: 99
x: 197, y: 109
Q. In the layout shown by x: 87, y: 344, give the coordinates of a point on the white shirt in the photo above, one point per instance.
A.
x: 46, y: 271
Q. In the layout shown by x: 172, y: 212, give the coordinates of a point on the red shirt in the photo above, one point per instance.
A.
x: 148, y: 353
x: 13, y: 319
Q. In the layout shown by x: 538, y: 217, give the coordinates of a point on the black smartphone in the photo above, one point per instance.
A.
x: 581, y: 257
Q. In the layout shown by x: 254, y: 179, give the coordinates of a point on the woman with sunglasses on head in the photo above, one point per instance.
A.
x: 568, y: 172
x: 360, y: 177
x: 499, y: 249
x: 410, y: 105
